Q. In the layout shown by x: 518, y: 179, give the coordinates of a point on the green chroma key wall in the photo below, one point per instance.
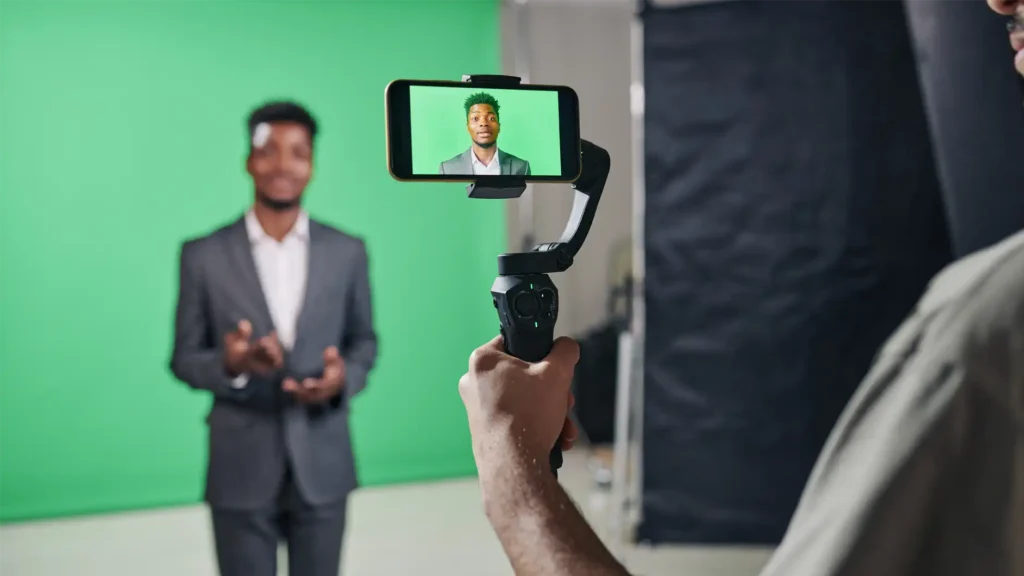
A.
x: 121, y: 134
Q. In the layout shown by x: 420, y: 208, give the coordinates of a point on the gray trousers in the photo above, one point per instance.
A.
x: 247, y: 540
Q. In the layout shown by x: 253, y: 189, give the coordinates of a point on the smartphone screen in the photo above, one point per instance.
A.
x: 454, y: 131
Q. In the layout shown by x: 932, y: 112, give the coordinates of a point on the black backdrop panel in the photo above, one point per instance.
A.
x: 793, y: 218
x: 976, y: 110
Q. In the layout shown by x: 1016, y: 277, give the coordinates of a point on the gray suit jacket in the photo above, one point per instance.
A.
x: 463, y: 164
x: 255, y: 432
x: 923, y: 474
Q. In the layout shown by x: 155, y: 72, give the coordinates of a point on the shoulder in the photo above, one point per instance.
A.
x: 513, y: 157
x: 977, y: 310
x: 990, y: 295
x: 992, y: 272
x: 454, y: 159
x: 337, y: 237
x: 967, y: 327
x: 193, y: 246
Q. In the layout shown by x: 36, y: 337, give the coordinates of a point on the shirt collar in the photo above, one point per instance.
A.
x: 495, y: 161
x: 256, y: 233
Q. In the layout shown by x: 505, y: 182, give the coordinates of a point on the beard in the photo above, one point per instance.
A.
x: 278, y: 205
x: 486, y: 145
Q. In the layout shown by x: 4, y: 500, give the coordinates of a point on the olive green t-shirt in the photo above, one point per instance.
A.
x: 923, y: 474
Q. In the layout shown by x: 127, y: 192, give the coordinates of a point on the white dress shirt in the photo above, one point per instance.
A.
x: 492, y: 168
x: 283, y: 268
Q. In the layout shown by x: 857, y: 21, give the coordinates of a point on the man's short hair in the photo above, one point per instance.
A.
x: 482, y: 98
x: 282, y: 112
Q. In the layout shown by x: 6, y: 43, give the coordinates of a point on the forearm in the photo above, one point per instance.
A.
x: 360, y: 358
x: 360, y: 355
x: 204, y: 370
x: 539, y: 526
x: 355, y: 379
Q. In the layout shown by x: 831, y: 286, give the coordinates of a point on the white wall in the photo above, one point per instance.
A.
x: 584, y: 44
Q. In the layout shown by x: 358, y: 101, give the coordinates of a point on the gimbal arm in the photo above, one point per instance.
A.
x: 558, y: 256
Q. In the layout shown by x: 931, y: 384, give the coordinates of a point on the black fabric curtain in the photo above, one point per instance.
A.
x: 793, y: 218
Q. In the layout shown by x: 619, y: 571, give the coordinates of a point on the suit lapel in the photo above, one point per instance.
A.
x: 467, y: 162
x: 506, y: 164
x: 242, y: 261
x: 316, y: 278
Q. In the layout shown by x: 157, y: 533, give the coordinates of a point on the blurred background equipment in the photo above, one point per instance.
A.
x: 596, y: 374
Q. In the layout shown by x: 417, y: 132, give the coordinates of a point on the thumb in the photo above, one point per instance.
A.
x: 331, y: 354
x: 564, y: 355
x: 496, y: 344
x: 244, y: 329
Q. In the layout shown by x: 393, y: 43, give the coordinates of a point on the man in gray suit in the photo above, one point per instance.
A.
x: 483, y: 156
x: 274, y: 319
x: 923, y: 474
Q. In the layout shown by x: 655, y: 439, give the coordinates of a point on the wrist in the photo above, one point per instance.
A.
x: 505, y: 444
x: 232, y: 369
x: 506, y: 461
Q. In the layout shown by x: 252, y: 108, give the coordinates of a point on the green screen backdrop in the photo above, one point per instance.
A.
x: 122, y: 133
x: 528, y: 119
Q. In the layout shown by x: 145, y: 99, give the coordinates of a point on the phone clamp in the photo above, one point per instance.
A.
x: 500, y: 188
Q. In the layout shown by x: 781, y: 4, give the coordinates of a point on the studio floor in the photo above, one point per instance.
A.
x: 422, y: 529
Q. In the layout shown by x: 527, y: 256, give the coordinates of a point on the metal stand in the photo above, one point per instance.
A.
x: 521, y: 68
x: 627, y: 465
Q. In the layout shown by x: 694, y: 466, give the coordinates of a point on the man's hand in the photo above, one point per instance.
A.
x: 242, y: 356
x: 512, y: 403
x: 517, y: 411
x: 317, y: 390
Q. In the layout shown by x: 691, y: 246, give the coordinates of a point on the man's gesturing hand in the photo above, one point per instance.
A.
x: 509, y: 400
x: 242, y: 356
x: 316, y: 390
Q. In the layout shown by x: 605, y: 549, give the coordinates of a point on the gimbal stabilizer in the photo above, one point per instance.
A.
x: 523, y: 294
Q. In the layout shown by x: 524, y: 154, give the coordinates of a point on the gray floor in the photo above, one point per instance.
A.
x: 426, y: 529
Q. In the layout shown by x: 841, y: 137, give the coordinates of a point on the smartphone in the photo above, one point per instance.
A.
x: 460, y: 132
